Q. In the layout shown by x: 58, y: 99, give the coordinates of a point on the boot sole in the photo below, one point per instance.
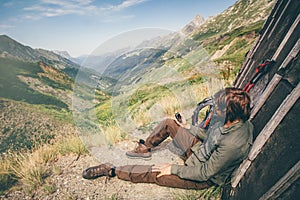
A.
x: 139, y: 157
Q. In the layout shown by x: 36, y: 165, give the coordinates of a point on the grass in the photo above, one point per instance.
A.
x: 31, y: 168
x: 170, y: 108
x: 250, y: 32
x: 213, y: 193
x: 55, y: 78
x: 27, y: 126
x: 49, y: 187
x: 141, y: 117
x: 12, y: 87
x: 243, y: 30
x: 114, y: 134
x: 147, y: 103
x: 105, y: 113
x: 29, y: 146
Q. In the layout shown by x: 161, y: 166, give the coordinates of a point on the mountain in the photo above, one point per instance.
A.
x: 36, y: 93
x: 185, y: 59
x: 99, y: 62
x: 243, y: 13
x: 36, y: 76
x: 136, y: 61
x: 64, y: 54
x: 226, y: 38
x: 193, y: 25
x: 10, y: 48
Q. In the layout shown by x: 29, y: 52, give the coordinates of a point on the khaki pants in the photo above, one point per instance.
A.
x: 143, y: 174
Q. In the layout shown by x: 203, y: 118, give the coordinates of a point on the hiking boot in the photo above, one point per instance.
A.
x: 141, y: 151
x: 106, y: 169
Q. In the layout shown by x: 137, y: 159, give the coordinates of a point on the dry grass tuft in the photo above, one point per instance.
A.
x: 30, y: 168
x: 114, y: 134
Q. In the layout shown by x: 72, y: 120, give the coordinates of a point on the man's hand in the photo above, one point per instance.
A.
x: 181, y: 121
x: 164, y: 169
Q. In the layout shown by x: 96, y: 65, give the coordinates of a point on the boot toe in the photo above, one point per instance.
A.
x: 85, y: 174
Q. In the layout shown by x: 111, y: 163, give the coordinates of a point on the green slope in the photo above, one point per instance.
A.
x: 11, y: 87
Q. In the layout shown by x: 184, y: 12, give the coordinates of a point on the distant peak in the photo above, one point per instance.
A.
x: 193, y: 25
x: 198, y: 20
x: 64, y: 54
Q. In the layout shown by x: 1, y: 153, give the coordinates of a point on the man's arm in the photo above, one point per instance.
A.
x: 199, y: 133
x: 220, y: 159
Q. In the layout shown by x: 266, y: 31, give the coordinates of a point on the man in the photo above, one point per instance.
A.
x: 210, y: 156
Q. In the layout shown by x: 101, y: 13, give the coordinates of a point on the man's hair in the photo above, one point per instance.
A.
x: 233, y: 103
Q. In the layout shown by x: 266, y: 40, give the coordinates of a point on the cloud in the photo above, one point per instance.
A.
x: 8, y: 4
x: 127, y: 3
x: 6, y: 26
x: 54, y: 8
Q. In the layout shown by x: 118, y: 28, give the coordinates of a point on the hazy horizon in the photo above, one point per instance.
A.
x: 80, y: 26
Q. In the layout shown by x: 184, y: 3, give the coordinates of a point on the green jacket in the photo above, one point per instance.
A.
x: 221, y: 152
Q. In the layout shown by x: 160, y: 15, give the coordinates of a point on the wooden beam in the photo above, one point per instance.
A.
x: 263, y: 98
x: 291, y: 55
x: 267, y: 131
x: 275, y: 80
x: 277, y: 21
x: 265, y: 134
x: 286, y: 38
x: 244, y: 75
x: 284, y: 183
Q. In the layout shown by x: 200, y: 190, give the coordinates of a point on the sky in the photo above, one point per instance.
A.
x: 80, y: 26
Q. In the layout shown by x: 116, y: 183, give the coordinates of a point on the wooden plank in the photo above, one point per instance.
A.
x: 272, y: 84
x: 286, y: 38
x: 269, y: 128
x: 275, y: 80
x: 265, y: 134
x: 243, y: 76
x: 239, y: 173
x: 242, y: 72
x: 277, y: 21
x: 291, y: 55
x: 276, y: 54
x: 284, y: 183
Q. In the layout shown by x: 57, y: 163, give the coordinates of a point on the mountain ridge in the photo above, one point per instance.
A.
x: 13, y: 49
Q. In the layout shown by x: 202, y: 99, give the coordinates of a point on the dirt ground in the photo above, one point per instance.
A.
x: 67, y: 182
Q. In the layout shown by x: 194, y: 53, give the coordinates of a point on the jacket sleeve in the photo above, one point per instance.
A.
x: 220, y: 159
x: 199, y: 133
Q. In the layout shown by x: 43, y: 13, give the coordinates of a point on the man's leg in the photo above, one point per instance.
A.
x: 143, y: 174
x: 180, y: 136
x: 182, y: 139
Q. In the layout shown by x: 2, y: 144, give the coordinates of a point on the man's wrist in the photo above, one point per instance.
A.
x: 174, y: 169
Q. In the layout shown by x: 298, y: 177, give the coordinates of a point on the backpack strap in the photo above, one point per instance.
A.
x: 205, y: 122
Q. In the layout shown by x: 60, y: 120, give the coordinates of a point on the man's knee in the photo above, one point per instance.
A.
x: 170, y: 122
